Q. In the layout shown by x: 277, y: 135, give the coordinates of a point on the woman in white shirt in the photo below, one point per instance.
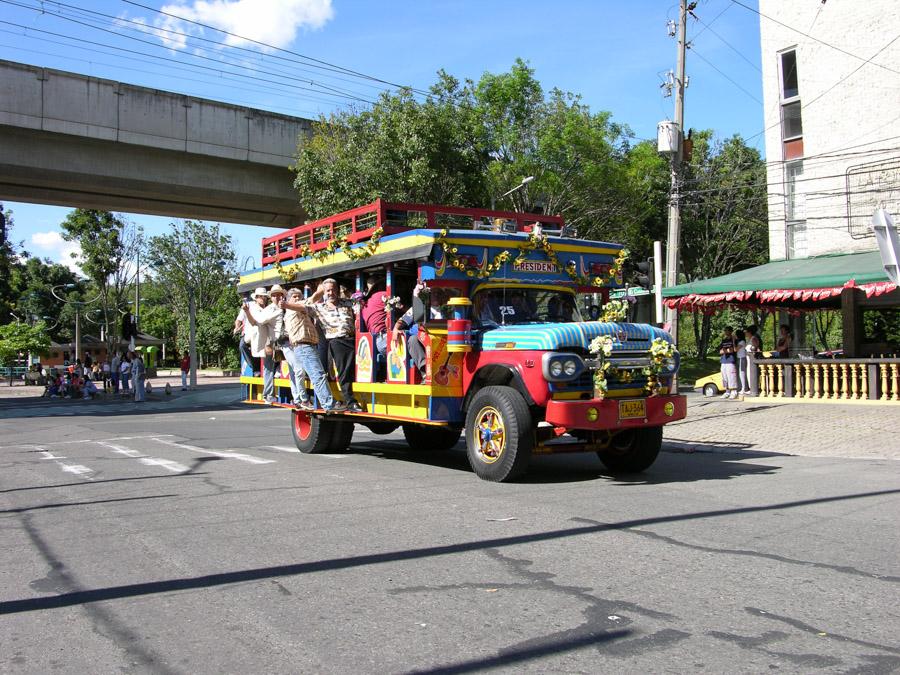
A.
x: 742, y: 361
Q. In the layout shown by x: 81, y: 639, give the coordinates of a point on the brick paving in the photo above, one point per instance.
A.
x: 808, y: 429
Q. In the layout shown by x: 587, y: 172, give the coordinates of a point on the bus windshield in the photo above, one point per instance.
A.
x: 519, y: 305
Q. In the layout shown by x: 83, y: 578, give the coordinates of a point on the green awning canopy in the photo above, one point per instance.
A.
x: 803, y: 273
x: 803, y: 282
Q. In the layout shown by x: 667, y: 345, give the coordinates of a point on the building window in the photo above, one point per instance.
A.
x: 791, y: 121
x: 789, y: 85
x: 797, y: 243
x: 794, y: 199
x: 791, y: 117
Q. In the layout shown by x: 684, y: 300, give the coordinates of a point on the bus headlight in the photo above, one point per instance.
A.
x: 561, y: 367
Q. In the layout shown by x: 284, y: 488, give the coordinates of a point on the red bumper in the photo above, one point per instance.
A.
x: 613, y: 413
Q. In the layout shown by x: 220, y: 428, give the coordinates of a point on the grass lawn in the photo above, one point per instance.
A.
x: 694, y: 368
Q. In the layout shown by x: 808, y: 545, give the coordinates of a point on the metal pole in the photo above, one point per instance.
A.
x: 673, y: 248
x: 193, y: 344
x: 77, y: 334
x: 137, y: 291
x: 657, y: 282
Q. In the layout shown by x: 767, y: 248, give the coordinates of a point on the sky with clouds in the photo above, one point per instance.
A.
x: 614, y: 54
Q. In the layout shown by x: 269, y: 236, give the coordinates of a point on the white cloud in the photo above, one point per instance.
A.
x: 275, y: 22
x: 52, y: 245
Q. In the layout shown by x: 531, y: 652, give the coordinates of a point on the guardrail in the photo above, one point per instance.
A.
x: 826, y: 379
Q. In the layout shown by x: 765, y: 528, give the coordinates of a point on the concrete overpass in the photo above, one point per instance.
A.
x: 72, y: 140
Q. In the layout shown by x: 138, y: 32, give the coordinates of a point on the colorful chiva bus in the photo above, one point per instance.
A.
x: 516, y: 367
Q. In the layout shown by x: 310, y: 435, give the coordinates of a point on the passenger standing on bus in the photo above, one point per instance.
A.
x: 337, y: 320
x: 374, y: 312
x: 302, y: 353
x: 266, y: 319
x: 244, y: 330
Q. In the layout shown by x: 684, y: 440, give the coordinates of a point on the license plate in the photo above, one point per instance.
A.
x: 632, y: 409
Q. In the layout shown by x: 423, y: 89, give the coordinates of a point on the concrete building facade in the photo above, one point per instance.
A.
x: 831, y: 88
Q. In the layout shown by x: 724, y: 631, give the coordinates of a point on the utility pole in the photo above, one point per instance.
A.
x: 192, y: 348
x: 673, y: 248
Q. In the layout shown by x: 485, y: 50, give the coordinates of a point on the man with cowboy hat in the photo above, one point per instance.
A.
x: 266, y: 320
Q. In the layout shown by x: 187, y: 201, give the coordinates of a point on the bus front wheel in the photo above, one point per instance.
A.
x: 499, y: 434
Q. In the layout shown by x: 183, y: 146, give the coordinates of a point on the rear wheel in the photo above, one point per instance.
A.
x: 341, y: 435
x: 710, y: 390
x: 421, y: 437
x: 632, y: 451
x: 312, y: 434
x: 499, y: 434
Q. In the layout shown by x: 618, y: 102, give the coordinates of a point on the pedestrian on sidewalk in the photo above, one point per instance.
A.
x: 742, y: 362
x: 728, y: 363
x: 115, y: 370
x: 185, y: 369
x: 138, y: 373
x: 125, y: 372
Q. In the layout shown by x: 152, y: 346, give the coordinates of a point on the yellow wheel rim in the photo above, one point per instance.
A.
x: 489, y: 435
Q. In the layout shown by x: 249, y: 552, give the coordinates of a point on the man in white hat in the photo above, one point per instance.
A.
x: 266, y: 319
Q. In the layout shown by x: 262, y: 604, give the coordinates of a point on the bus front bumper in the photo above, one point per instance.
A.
x: 627, y: 413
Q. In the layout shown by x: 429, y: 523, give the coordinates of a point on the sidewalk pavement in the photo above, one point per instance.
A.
x: 211, y: 392
x: 807, y: 429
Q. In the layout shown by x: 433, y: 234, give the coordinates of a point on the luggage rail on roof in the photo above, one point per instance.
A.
x: 360, y: 224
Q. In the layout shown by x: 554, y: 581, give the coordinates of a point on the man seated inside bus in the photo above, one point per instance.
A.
x: 374, y: 312
x: 436, y: 299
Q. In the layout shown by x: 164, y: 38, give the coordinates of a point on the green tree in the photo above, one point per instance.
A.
x: 724, y: 215
x: 466, y: 144
x: 19, y: 339
x: 7, y: 264
x: 195, y: 258
x: 32, y: 283
x: 109, y: 248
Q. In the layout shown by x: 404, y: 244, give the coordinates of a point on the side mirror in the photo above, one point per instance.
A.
x: 594, y: 312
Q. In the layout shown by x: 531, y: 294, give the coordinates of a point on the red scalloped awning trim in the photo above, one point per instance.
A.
x: 706, y: 302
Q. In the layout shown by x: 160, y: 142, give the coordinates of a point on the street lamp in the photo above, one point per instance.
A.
x: 525, y: 181
x: 79, y: 304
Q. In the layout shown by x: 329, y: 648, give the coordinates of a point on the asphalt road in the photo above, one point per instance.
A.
x: 201, y: 542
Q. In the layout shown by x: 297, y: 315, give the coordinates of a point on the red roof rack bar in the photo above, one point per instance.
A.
x: 360, y: 224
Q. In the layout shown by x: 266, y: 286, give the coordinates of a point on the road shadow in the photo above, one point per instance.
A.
x: 678, y: 463
x: 75, y: 595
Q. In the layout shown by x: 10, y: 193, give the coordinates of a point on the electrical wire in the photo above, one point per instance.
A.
x: 163, y: 58
x: 807, y: 35
x: 716, y: 68
x: 273, y: 47
x: 145, y: 29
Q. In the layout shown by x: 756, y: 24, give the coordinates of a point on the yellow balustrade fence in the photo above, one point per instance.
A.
x: 834, y: 380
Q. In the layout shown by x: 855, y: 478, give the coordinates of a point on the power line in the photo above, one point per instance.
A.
x: 716, y: 68
x: 726, y: 42
x: 163, y: 58
x: 269, y: 46
x: 322, y: 88
x: 807, y: 35
x: 145, y: 29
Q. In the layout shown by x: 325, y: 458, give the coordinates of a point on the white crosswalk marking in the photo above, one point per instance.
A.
x: 174, y: 467
x: 77, y: 469
x: 226, y: 455
x: 168, y: 464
